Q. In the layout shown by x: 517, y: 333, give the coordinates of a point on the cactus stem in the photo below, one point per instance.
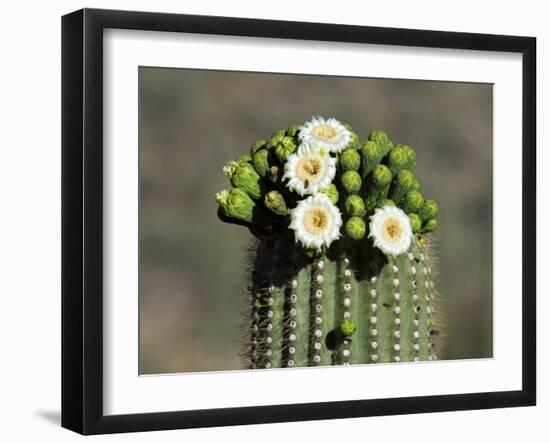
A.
x: 422, y: 310
x: 329, y: 288
x: 270, y: 312
x: 387, y: 311
x: 346, y: 307
x: 407, y: 291
x: 299, y: 312
x: 373, y: 320
x: 361, y: 307
x: 416, y: 308
x: 255, y: 353
x: 397, y: 312
x: 270, y: 306
x: 427, y: 270
x: 316, y: 330
x: 290, y: 322
x: 253, y: 328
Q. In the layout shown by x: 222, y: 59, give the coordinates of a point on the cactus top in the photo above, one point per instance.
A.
x: 319, y: 181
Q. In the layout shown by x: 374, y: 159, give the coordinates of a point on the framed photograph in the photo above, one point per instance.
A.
x: 268, y: 221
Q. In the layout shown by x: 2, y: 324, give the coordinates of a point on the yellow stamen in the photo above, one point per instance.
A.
x: 316, y: 221
x: 308, y: 168
x: 392, y: 230
x: 325, y: 132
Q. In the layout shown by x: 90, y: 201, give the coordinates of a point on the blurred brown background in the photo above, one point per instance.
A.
x: 192, y: 265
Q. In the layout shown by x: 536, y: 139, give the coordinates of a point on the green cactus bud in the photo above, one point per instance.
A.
x: 243, y: 175
x: 348, y: 327
x: 230, y: 168
x: 284, y: 148
x: 293, y: 131
x: 429, y: 210
x: 245, y: 158
x: 397, y: 159
x: 386, y: 202
x: 378, y: 186
x: 411, y: 157
x: 355, y: 228
x: 350, y: 160
x: 236, y: 203
x: 382, y: 139
x: 332, y: 193
x: 430, y: 225
x: 413, y: 201
x: 354, y: 142
x: 416, y: 222
x: 351, y: 181
x: 275, y: 202
x: 372, y: 154
x: 404, y: 182
x: 257, y: 146
x: 354, y: 205
x: 275, y: 139
x: 260, y: 162
x: 381, y: 177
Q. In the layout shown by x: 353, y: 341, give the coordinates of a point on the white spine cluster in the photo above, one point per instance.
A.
x: 429, y: 284
x: 292, y: 323
x: 253, y: 328
x: 373, y: 293
x: 316, y: 330
x: 397, y: 315
x: 416, y: 307
x: 346, y: 308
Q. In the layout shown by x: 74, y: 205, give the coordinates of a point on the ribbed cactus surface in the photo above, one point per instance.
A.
x: 341, y: 270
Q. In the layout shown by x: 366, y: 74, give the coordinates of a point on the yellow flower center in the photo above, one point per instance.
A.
x: 316, y: 221
x: 392, y: 230
x: 308, y: 169
x: 325, y: 132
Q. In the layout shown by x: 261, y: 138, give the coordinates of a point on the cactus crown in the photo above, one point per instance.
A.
x: 283, y: 183
x: 341, y: 272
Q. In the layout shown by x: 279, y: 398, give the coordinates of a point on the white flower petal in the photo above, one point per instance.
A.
x: 328, y: 134
x: 390, y: 229
x: 316, y: 222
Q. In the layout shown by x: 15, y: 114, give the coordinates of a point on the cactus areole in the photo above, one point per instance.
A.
x: 341, y: 270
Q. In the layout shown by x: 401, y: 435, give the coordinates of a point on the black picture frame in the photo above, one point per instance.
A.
x: 82, y: 220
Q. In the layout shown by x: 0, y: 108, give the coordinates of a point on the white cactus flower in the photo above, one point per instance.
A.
x: 316, y: 222
x: 329, y: 134
x: 390, y: 229
x: 309, y: 170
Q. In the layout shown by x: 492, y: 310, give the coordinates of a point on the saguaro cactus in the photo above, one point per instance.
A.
x: 341, y: 269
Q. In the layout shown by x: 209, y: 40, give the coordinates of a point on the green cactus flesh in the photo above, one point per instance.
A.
x: 299, y: 304
x: 342, y: 269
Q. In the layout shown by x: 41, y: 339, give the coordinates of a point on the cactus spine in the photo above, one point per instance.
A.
x: 341, y: 270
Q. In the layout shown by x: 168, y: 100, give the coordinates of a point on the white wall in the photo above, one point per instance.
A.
x: 30, y: 216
